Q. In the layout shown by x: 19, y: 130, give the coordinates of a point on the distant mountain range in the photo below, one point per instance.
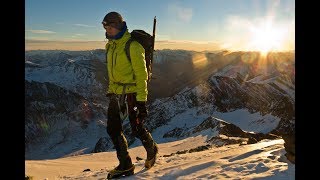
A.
x: 66, y: 105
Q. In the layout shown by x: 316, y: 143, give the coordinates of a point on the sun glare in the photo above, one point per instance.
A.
x: 266, y: 38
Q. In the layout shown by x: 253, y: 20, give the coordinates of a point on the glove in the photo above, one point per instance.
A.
x: 110, y: 95
x: 142, y: 109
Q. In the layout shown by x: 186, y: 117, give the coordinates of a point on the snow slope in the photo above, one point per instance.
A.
x: 263, y: 160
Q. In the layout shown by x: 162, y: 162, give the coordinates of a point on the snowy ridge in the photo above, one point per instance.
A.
x: 75, y: 72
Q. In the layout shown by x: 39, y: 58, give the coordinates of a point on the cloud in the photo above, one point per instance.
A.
x: 65, y: 44
x: 40, y: 31
x: 77, y: 35
x: 83, y: 25
x: 37, y: 39
x: 182, y: 13
x: 187, y: 45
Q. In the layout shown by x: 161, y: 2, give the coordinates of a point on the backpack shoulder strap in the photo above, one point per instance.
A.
x: 127, y: 49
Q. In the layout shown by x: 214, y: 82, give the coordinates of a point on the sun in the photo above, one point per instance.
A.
x: 266, y: 37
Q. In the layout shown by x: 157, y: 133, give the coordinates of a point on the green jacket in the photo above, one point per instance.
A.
x: 121, y: 70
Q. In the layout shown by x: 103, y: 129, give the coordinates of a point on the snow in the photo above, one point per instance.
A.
x: 68, y: 139
x: 263, y: 160
x: 187, y: 119
x: 233, y: 70
x: 282, y: 82
x: 251, y: 122
x: 70, y: 146
x: 59, y: 76
x: 289, y: 89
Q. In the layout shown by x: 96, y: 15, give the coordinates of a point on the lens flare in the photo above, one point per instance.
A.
x: 265, y: 38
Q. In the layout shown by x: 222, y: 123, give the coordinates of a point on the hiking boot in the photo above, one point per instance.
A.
x: 151, y: 148
x: 118, y: 172
x: 125, y: 168
x: 151, y: 156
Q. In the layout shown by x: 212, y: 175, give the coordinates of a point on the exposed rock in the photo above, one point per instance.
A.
x: 197, y: 149
x: 86, y: 170
x: 222, y: 140
x: 260, y: 136
x: 200, y: 148
x: 232, y: 130
x: 251, y: 140
x: 46, y: 104
x: 182, y: 152
x: 176, y: 132
x: 290, y: 145
x: 102, y: 145
x: 28, y: 177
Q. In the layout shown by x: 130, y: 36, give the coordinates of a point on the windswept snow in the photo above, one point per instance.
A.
x: 251, y: 122
x: 263, y: 160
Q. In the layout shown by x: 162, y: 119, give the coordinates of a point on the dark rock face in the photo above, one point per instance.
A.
x: 260, y: 136
x: 46, y: 104
x: 231, y: 93
x: 64, y: 92
x: 223, y: 133
x: 232, y: 130
x: 197, y: 149
x: 222, y: 141
x: 290, y: 146
x: 176, y: 132
x: 103, y: 145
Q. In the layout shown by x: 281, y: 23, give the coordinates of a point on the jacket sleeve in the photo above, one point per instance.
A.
x: 137, y: 54
x: 110, y: 88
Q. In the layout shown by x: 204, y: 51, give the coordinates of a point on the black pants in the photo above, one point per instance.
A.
x: 114, y: 123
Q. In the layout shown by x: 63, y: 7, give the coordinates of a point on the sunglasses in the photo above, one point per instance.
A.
x: 108, y: 25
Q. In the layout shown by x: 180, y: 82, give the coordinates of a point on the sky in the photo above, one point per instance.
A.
x: 238, y: 24
x: 265, y: 160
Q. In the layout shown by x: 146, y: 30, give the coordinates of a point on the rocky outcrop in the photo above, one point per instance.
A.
x: 290, y: 146
x: 103, y: 145
x: 45, y: 104
x: 48, y: 106
x: 220, y: 133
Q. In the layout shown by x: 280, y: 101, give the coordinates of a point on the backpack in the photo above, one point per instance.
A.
x: 146, y: 40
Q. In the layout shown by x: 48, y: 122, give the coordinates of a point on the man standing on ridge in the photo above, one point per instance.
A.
x: 128, y: 92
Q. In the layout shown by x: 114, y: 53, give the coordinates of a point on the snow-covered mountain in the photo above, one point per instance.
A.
x: 192, y: 94
x: 82, y: 72
x: 64, y: 92
x: 256, y: 97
